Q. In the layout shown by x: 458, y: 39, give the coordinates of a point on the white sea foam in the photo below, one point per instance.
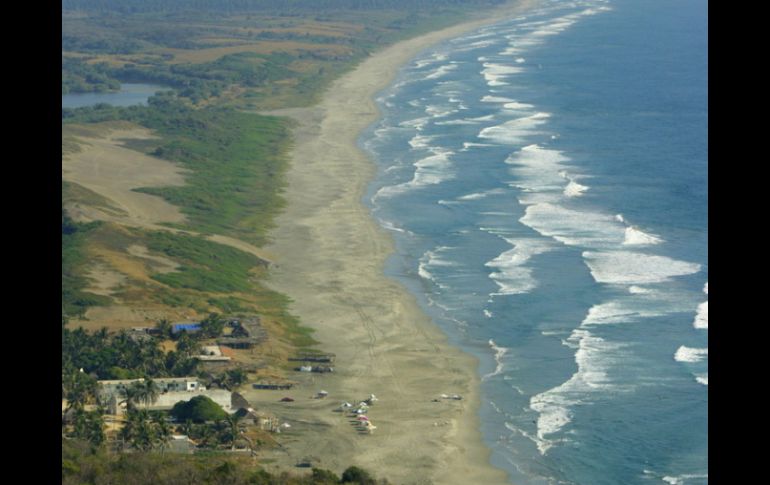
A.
x: 682, y: 479
x: 702, y: 317
x: 512, y: 276
x: 520, y: 60
x: 417, y: 123
x: 513, y: 132
x: 481, y: 195
x: 706, y: 288
x: 493, y: 73
x: 468, y: 145
x: 420, y: 141
x: 487, y: 313
x: 636, y: 237
x: 628, y: 268
x: 610, y: 312
x: 496, y: 99
x: 702, y: 379
x: 392, y: 227
x: 594, y: 357
x: 430, y: 170
x: 517, y: 106
x: 481, y: 43
x: 483, y: 118
x: 571, y: 227
x: 438, y: 57
x: 639, y: 290
x: 500, y: 69
x: 690, y: 354
x: 499, y: 354
x: 574, y: 189
x: 456, y: 122
x: 429, y: 261
x: 441, y: 71
x: 474, y: 196
x: 511, y: 50
x: 439, y: 111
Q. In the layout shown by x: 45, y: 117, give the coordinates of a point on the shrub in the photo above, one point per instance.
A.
x: 357, y: 475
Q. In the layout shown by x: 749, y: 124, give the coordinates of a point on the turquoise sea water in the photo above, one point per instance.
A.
x: 546, y: 182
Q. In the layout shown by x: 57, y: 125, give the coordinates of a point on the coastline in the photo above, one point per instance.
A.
x: 329, y: 255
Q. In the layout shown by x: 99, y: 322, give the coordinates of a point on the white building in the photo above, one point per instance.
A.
x: 170, y: 391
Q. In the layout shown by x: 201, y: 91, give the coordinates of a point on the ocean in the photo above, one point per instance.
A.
x: 545, y: 179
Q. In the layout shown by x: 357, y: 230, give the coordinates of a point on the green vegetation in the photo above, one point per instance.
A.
x: 82, y: 464
x: 145, y: 430
x: 198, y: 410
x: 236, y: 160
x: 81, y: 77
x: 278, y: 54
x: 118, y: 356
x: 205, y: 265
x: 75, y: 301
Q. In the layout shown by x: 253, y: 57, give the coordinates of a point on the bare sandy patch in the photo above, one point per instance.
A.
x: 111, y: 170
x: 158, y: 264
x: 104, y: 280
x: 118, y: 317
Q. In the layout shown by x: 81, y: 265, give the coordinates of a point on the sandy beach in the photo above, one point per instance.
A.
x: 328, y: 257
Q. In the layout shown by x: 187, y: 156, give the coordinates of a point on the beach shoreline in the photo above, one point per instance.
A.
x: 329, y: 255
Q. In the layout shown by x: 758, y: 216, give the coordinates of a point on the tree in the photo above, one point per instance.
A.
x: 231, y: 379
x: 89, y: 426
x: 164, y: 328
x: 213, y: 325
x: 139, y: 431
x: 78, y: 388
x: 149, y: 392
x: 131, y: 395
x: 198, y: 409
x: 163, y: 430
x: 232, y: 421
x: 187, y: 345
x: 140, y: 392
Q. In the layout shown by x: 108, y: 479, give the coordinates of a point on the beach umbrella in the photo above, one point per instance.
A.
x: 363, y: 418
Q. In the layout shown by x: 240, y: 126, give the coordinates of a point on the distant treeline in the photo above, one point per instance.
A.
x: 137, y: 6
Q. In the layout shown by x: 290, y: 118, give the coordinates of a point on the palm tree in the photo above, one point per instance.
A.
x: 212, y: 325
x: 139, y: 430
x: 132, y: 395
x: 79, y: 389
x: 237, y: 377
x: 163, y: 430
x: 232, y: 421
x: 150, y: 392
x: 89, y: 426
x: 145, y: 392
x: 187, y: 345
x: 164, y: 328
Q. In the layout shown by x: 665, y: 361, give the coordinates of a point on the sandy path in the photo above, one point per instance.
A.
x: 330, y: 254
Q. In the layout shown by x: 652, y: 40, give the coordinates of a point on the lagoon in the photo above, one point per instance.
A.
x: 130, y: 94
